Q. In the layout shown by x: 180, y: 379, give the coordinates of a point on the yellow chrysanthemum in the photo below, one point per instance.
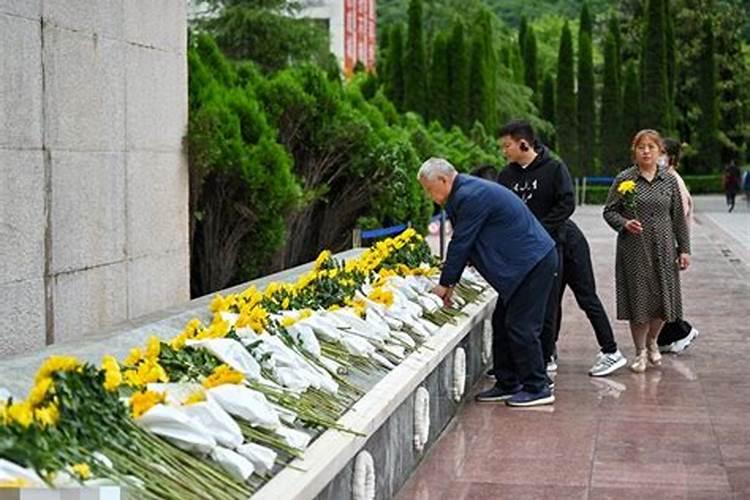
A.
x: 219, y: 304
x: 381, y: 296
x: 178, y: 342
x: 57, y: 364
x: 196, y: 397
x: 626, y: 187
x: 193, y: 327
x: 334, y: 307
x: 82, y: 471
x: 39, y: 391
x: 288, y: 320
x: 324, y: 257
x: 153, y: 348
x: 47, y: 416
x: 134, y: 357
x: 305, y: 313
x: 358, y: 305
x: 285, y: 303
x: 149, y: 371
x: 21, y: 413
x: 112, y: 373
x: 143, y: 401
x: 255, y: 318
x: 223, y: 374
x: 216, y: 330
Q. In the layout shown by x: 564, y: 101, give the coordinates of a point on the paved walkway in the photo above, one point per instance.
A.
x: 679, y: 431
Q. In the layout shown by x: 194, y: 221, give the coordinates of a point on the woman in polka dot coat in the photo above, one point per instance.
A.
x: 653, y: 245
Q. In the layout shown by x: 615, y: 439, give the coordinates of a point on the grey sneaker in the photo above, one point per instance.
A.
x: 607, y: 363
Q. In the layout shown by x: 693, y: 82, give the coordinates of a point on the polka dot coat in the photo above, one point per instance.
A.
x: 646, y: 268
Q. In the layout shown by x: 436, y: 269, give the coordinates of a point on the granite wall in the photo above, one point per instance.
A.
x: 93, y: 176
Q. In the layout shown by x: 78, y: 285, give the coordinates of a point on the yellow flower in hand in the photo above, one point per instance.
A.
x: 626, y: 187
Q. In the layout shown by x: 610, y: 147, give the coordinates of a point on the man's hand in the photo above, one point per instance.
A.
x: 633, y: 226
x: 683, y: 261
x: 445, y: 293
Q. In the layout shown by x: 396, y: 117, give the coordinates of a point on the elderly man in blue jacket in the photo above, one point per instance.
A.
x: 495, y: 232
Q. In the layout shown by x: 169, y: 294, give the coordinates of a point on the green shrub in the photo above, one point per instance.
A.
x: 704, y: 184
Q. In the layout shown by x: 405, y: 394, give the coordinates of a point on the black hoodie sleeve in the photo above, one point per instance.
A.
x: 565, y: 203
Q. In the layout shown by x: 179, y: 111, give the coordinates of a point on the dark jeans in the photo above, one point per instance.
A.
x: 730, y: 200
x: 517, y: 325
x: 578, y: 274
x: 548, y: 337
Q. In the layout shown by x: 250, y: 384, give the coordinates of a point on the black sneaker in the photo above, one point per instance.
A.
x: 496, y: 394
x: 491, y: 372
x: 523, y: 398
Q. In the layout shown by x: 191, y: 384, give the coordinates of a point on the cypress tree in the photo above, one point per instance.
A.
x: 614, y: 29
x: 565, y: 112
x: 458, y: 67
x: 708, y: 124
x: 586, y: 107
x: 394, y: 80
x: 522, y: 31
x: 670, y: 48
x: 611, y: 134
x: 440, y: 101
x: 631, y: 109
x: 484, y: 21
x: 530, y: 61
x: 516, y: 64
x: 415, y: 67
x: 654, y: 92
x: 548, y: 106
x: 586, y: 24
x: 478, y: 82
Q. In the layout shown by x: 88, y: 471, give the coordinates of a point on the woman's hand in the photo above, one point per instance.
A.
x: 633, y: 226
x: 683, y: 261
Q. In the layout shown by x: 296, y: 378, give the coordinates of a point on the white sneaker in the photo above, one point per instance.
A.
x: 552, y: 366
x: 680, y: 345
x: 607, y: 363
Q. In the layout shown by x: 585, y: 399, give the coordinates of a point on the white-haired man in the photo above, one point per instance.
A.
x: 495, y: 231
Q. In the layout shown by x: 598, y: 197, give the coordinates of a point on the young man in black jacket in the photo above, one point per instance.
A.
x: 544, y: 184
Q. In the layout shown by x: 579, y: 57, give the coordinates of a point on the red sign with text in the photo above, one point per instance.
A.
x: 359, y: 34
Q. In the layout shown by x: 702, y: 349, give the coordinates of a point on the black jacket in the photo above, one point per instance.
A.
x: 546, y: 188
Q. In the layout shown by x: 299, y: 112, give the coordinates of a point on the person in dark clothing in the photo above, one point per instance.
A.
x: 578, y: 274
x: 496, y: 233
x: 731, y: 183
x: 544, y: 184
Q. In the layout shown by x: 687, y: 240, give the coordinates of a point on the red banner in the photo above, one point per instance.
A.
x: 371, y: 35
x: 350, y: 49
x: 362, y: 31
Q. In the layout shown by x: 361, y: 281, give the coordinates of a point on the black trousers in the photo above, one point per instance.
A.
x: 517, y: 325
x: 552, y: 312
x: 578, y: 274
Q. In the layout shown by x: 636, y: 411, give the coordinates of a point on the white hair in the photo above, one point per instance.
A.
x: 435, y: 167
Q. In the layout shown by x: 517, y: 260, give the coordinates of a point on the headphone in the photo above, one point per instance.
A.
x: 523, y: 146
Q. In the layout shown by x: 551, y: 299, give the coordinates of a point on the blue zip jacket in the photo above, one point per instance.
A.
x: 495, y: 231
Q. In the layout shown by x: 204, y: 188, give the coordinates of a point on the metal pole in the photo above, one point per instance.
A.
x: 356, y: 238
